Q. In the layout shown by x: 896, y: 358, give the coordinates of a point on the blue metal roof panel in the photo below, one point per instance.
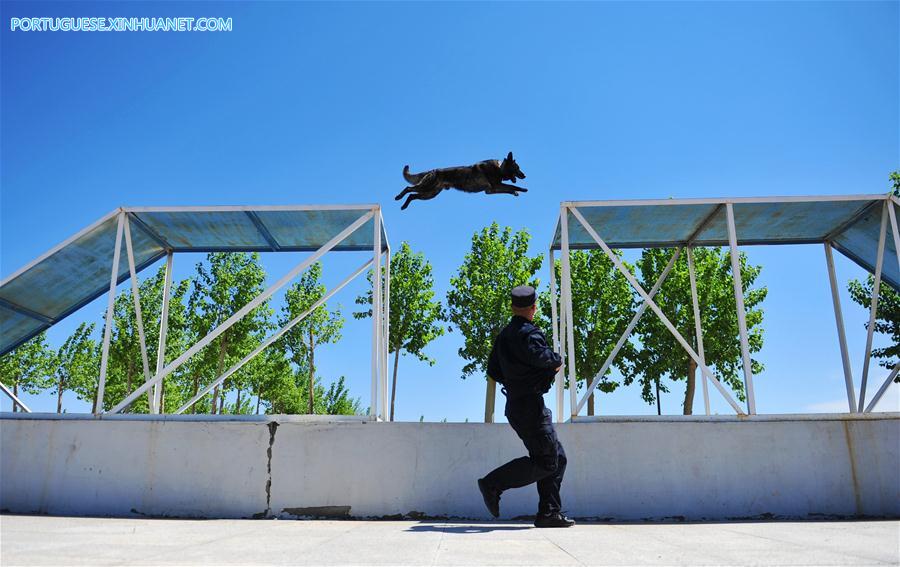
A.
x: 78, y: 271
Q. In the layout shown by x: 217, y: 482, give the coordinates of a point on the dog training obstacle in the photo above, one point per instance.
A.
x: 855, y: 225
x: 89, y: 264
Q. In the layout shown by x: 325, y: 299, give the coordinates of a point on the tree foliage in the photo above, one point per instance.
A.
x: 416, y: 316
x: 478, y: 299
x: 602, y: 306
x: 221, y: 287
x: 28, y: 367
x: 321, y: 326
x: 662, y: 356
x: 77, y: 366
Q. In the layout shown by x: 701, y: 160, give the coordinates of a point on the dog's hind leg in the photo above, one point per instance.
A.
x: 419, y: 197
x: 404, y: 192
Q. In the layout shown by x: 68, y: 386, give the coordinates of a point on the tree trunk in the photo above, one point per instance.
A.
x: 237, y: 404
x: 490, y: 396
x: 691, y: 385
x: 59, y: 392
x: 128, y: 383
x: 312, y: 373
x: 220, y: 365
x: 196, y: 389
x: 222, y: 402
x: 591, y: 404
x: 394, y: 382
x: 94, y: 404
x: 658, y: 405
x: 257, y: 403
x: 16, y: 394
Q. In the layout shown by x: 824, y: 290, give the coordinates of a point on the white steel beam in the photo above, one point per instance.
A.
x: 839, y: 320
x: 894, y: 229
x: 883, y: 388
x: 138, y: 317
x: 637, y: 287
x: 567, y: 300
x: 376, y: 317
x: 554, y: 324
x: 385, y: 323
x: 741, y: 312
x: 698, y: 326
x: 163, y: 332
x: 628, y: 330
x: 250, y: 306
x: 291, y: 324
x: 107, y: 331
x: 15, y: 400
x: 873, y: 308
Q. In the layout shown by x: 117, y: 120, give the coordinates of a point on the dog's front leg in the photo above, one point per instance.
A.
x: 514, y: 188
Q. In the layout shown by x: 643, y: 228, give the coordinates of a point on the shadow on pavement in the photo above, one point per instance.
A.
x: 467, y: 528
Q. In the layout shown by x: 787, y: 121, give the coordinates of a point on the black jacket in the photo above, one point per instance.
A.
x: 521, y: 359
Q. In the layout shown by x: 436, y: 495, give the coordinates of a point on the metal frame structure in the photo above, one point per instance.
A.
x: 124, y: 218
x: 562, y: 326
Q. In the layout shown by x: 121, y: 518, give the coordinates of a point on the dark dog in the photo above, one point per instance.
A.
x: 487, y: 176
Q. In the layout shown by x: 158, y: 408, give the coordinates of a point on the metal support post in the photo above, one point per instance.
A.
x: 250, y: 306
x: 107, y: 330
x: 665, y: 321
x: 567, y: 300
x: 876, y: 289
x: 698, y: 325
x: 138, y: 317
x: 163, y: 332
x: 376, y: 316
x: 741, y: 312
x: 554, y: 324
x: 839, y: 320
x: 385, y: 332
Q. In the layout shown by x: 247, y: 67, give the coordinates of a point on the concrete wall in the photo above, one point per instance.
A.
x: 287, y: 466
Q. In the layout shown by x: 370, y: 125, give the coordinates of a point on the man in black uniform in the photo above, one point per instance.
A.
x: 523, y: 363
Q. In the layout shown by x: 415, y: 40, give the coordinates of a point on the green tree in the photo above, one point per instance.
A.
x: 661, y: 355
x: 478, y: 300
x: 319, y: 327
x: 603, y: 304
x: 125, y: 368
x: 28, y: 366
x: 415, y: 318
x: 77, y: 364
x: 228, y: 283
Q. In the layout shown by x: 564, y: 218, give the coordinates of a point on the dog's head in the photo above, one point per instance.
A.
x: 509, y: 169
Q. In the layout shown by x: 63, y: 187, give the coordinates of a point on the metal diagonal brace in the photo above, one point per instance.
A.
x: 637, y: 287
x: 873, y: 308
x: 839, y: 321
x: 628, y: 330
x: 13, y: 397
x: 253, y: 304
x: 883, y: 388
x: 138, y: 317
x: 290, y: 325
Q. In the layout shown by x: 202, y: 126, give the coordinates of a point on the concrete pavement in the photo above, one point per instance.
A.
x: 47, y: 540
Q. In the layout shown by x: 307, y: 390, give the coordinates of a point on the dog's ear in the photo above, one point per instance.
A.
x: 509, y: 156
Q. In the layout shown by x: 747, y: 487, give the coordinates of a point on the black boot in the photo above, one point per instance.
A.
x: 554, y: 520
x: 491, y: 497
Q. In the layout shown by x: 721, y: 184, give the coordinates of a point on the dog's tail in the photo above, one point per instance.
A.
x: 412, y: 178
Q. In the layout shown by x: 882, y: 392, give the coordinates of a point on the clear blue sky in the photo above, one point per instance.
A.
x: 325, y: 103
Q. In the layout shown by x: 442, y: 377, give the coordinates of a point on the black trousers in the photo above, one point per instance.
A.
x: 546, y: 460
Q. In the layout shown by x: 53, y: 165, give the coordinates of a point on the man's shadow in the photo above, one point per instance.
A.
x: 468, y: 528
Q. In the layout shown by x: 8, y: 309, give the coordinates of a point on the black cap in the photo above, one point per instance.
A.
x: 523, y: 296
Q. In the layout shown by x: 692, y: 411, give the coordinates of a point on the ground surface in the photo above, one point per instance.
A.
x: 45, y: 540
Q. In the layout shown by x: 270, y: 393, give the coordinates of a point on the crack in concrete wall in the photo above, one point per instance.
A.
x: 273, y: 427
